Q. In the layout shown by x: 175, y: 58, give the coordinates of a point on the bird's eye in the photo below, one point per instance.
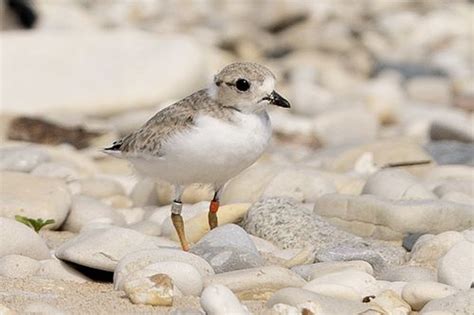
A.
x: 242, y: 85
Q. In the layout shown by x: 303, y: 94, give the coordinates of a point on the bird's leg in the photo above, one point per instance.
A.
x: 213, y: 207
x: 177, y: 219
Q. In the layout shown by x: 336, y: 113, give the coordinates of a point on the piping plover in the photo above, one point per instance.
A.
x: 207, y: 137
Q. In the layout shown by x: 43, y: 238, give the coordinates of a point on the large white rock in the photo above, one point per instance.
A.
x: 18, y: 239
x: 103, y: 248
x: 96, y: 71
x: 217, y: 299
x: 418, y: 293
x: 372, y: 216
x: 456, y: 267
x: 140, y: 259
x: 34, y: 197
x: 17, y: 266
x: 396, y: 184
x: 256, y: 283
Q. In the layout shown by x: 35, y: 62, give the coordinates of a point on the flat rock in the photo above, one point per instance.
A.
x: 376, y: 217
x: 140, y: 259
x: 86, y: 210
x: 286, y: 224
x: 17, y: 266
x: 228, y: 248
x: 21, y: 158
x: 396, y: 184
x: 103, y: 248
x: 105, y: 82
x: 322, y: 304
x: 459, y: 304
x: 256, y: 283
x: 418, y: 293
x: 48, y: 198
x: 455, y: 268
x: 18, y: 239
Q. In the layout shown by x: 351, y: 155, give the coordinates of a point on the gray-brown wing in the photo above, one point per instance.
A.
x: 170, y: 120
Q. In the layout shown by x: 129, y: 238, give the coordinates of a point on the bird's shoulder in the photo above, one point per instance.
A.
x: 178, y: 117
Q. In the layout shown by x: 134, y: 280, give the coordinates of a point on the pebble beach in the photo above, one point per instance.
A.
x: 362, y: 204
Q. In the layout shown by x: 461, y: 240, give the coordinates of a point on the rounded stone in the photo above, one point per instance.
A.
x: 217, y: 299
x: 428, y: 249
x: 418, y: 293
x: 48, y: 198
x: 309, y: 272
x: 21, y: 158
x: 333, y: 290
x: 456, y: 266
x: 59, y: 270
x: 363, y: 283
x: 408, y: 273
x: 156, y: 289
x: 17, y: 266
x: 100, y: 187
x: 18, y: 239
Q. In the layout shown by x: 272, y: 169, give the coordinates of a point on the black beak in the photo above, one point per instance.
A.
x: 278, y: 100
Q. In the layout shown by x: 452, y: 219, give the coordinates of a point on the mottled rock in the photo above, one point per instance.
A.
x: 103, y: 248
x: 429, y: 248
x: 389, y: 302
x: 48, y: 198
x: 217, y: 299
x: 18, y: 239
x: 228, y: 248
x: 155, y: 290
x: 286, y: 224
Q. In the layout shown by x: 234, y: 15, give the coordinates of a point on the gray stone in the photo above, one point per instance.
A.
x: 21, y: 158
x: 286, y: 224
x: 410, y: 239
x: 408, y: 273
x: 18, y: 239
x: 48, y: 198
x: 86, y: 210
x: 228, y: 248
x: 451, y: 152
x: 459, y: 304
x: 103, y: 248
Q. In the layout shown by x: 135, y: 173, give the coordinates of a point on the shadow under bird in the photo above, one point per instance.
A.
x: 208, y: 137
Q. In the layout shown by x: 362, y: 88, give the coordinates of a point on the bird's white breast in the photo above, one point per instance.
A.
x: 212, y: 151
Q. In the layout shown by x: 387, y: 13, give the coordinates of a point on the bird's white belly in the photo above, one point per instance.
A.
x: 212, y: 152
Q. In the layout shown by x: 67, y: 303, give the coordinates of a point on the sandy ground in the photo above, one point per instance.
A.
x: 88, y: 298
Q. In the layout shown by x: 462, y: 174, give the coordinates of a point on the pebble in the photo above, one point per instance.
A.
x: 86, y: 210
x: 57, y: 170
x: 302, y: 185
x: 217, y: 299
x: 103, y: 248
x: 429, y: 248
x: 21, y: 158
x: 363, y: 283
x: 113, y: 91
x: 48, y: 198
x: 59, y: 270
x: 325, y: 305
x: 18, y: 239
x: 455, y: 268
x: 256, y: 283
x: 418, y: 293
x: 140, y: 259
x: 376, y: 217
x: 288, y: 225
x: 198, y: 225
x: 451, y: 152
x: 408, y: 273
x: 396, y: 184
x: 228, y: 248
x: 309, y: 272
x: 459, y: 304
x: 154, y: 290
x: 185, y: 277
x: 18, y: 266
x: 100, y: 187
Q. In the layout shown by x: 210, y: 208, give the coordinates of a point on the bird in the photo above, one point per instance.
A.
x: 207, y: 137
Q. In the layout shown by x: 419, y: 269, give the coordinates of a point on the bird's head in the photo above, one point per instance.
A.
x: 249, y: 87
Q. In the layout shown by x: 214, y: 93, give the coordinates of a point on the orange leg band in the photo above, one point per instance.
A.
x: 214, y: 206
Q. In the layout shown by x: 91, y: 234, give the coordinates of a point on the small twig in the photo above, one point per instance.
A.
x: 412, y: 163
